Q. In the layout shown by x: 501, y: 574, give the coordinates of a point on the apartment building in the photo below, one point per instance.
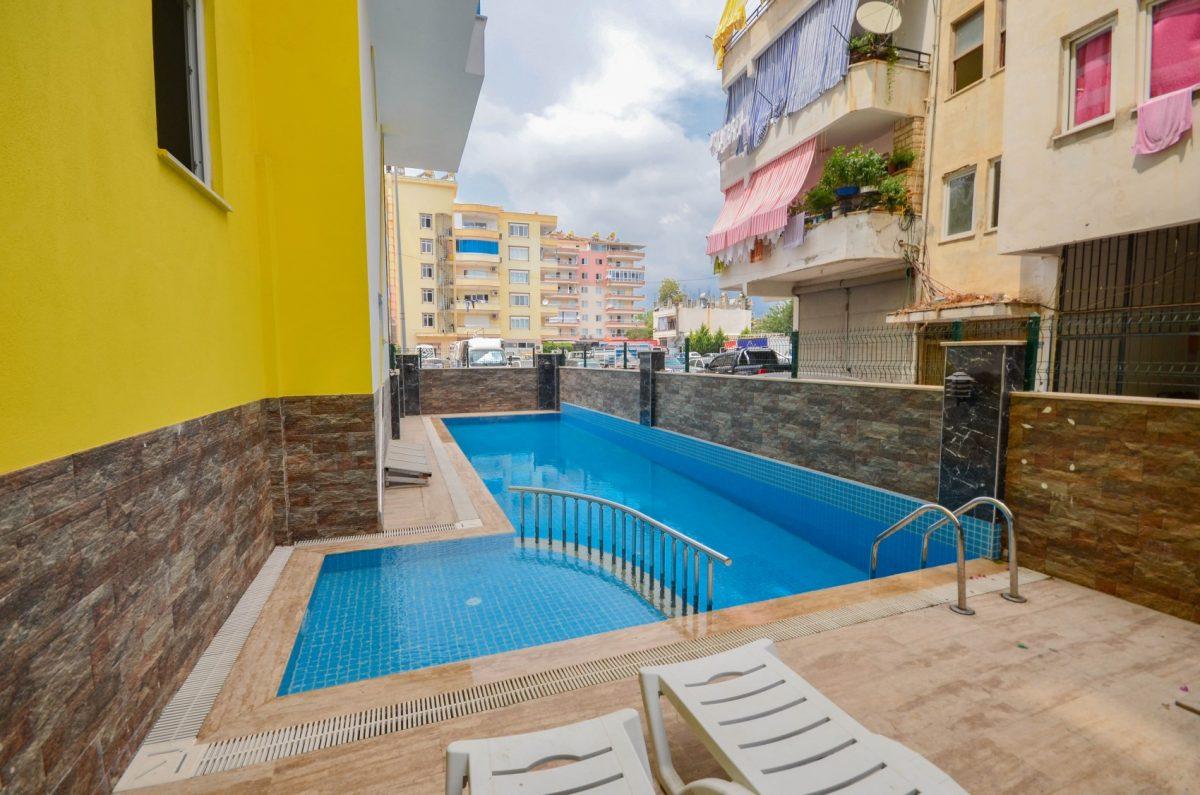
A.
x: 1028, y: 211
x: 466, y: 270
x: 674, y: 322
x: 597, y: 282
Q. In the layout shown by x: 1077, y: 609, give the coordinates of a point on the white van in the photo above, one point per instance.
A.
x: 479, y: 352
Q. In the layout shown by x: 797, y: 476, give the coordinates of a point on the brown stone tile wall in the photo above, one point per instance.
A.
x: 1105, y: 493
x: 329, y: 461
x: 613, y: 391
x: 117, y: 567
x: 886, y: 436
x: 465, y: 390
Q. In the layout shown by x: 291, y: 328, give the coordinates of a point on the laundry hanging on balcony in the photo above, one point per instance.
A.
x: 733, y: 19
x: 757, y: 208
x: 807, y: 59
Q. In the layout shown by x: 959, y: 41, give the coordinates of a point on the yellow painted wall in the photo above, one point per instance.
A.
x: 128, y: 299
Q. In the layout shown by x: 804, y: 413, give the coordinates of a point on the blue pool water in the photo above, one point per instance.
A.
x: 382, y: 611
x: 787, y: 529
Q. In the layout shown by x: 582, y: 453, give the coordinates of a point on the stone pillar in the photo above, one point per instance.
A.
x: 649, y: 362
x: 979, y: 377
x: 410, y: 384
x: 547, y: 379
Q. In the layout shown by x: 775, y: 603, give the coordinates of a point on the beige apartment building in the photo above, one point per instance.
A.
x: 674, y: 322
x: 458, y: 271
x: 1029, y: 214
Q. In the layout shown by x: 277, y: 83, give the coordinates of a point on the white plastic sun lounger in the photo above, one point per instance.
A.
x: 773, y: 732
x: 605, y: 756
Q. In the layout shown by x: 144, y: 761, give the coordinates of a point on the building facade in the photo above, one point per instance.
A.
x: 674, y: 322
x: 458, y: 271
x: 1008, y: 229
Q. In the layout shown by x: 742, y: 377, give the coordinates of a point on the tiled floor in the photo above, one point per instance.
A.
x: 1072, y: 692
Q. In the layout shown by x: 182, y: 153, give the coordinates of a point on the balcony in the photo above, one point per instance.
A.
x: 475, y: 306
x: 472, y: 278
x: 861, y: 244
x: 561, y: 320
x: 631, y: 297
x: 860, y: 108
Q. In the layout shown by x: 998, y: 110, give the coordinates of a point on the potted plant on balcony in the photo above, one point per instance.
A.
x: 818, y: 204
x: 894, y: 193
x: 849, y: 172
x: 900, y: 159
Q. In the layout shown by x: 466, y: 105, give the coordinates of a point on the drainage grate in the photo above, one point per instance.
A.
x: 183, y: 716
x: 328, y: 732
x: 392, y: 533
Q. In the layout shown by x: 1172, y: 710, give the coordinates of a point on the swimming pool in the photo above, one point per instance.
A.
x: 788, y: 530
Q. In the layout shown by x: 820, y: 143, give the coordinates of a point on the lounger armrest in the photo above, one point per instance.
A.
x: 714, y: 786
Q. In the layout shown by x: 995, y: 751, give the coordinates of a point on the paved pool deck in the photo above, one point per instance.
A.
x: 1072, y: 692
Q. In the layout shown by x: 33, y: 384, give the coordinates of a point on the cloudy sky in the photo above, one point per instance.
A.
x: 600, y: 112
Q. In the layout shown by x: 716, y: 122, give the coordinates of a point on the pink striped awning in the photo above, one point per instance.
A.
x: 758, y: 206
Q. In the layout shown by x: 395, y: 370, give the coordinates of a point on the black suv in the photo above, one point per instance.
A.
x: 747, y: 361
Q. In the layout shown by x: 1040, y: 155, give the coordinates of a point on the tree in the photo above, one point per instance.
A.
x: 669, y: 293
x: 777, y: 320
x: 703, y: 340
x: 551, y: 347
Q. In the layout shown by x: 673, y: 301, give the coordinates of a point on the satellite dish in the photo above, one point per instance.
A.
x: 878, y: 17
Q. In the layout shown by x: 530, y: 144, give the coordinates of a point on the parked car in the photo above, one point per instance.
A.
x: 432, y: 363
x: 696, y: 360
x: 706, y: 359
x: 748, y: 361
x: 673, y: 364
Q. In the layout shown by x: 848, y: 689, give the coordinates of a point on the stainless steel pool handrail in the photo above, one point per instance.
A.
x: 1013, y: 594
x: 645, y: 541
x: 961, y: 607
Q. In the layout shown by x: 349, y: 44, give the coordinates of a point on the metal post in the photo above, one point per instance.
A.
x: 684, y: 601
x: 576, y: 526
x: 537, y: 516
x: 956, y: 331
x: 1033, y: 333
x: 521, y: 499
x: 624, y: 355
x: 687, y: 354
x: 695, y: 582
x: 564, y: 523
x: 585, y: 350
x: 674, y: 557
x: 795, y: 335
x: 961, y: 608
x: 1014, y: 594
x: 710, y: 584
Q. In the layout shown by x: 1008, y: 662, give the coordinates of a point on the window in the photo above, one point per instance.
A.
x: 477, y: 247
x: 599, y: 318
x: 599, y: 260
x: 1174, y: 45
x: 599, y: 332
x: 518, y: 253
x: 518, y: 230
x: 518, y: 277
x: 1002, y: 36
x: 426, y: 246
x: 426, y: 221
x: 427, y: 295
x: 520, y: 299
x: 968, y: 50
x: 583, y: 289
x: 426, y: 270
x: 584, y: 304
x: 960, y: 202
x: 518, y: 322
x: 583, y: 260
x: 180, y: 104
x: 994, y: 194
x: 597, y: 277
x: 1091, y: 77
x: 427, y: 320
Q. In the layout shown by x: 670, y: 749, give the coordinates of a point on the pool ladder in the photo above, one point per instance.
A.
x: 636, y: 541
x: 953, y: 517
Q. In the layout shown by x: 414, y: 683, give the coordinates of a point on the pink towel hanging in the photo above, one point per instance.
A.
x: 1162, y: 121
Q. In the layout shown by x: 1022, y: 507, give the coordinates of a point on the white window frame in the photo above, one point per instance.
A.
x: 995, y: 183
x: 1146, y: 20
x: 427, y: 320
x: 427, y: 295
x: 1071, y: 45
x: 954, y: 26
x: 197, y: 91
x: 513, y: 279
x: 426, y: 220
x: 514, y: 325
x: 426, y: 249
x: 514, y: 229
x: 515, y: 299
x: 511, y: 249
x: 426, y: 270
x: 946, y: 180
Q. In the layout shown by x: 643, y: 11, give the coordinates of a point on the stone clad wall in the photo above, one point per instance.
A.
x: 883, y: 435
x: 117, y: 567
x: 1106, y: 494
x: 613, y: 391
x: 466, y: 390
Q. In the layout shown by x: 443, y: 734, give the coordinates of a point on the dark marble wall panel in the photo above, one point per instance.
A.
x: 474, y: 389
x: 886, y: 436
x: 329, y: 465
x: 648, y: 366
x: 1105, y: 492
x: 117, y: 567
x: 613, y: 391
x: 547, y: 365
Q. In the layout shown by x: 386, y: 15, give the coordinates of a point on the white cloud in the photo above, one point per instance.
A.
x: 600, y: 113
